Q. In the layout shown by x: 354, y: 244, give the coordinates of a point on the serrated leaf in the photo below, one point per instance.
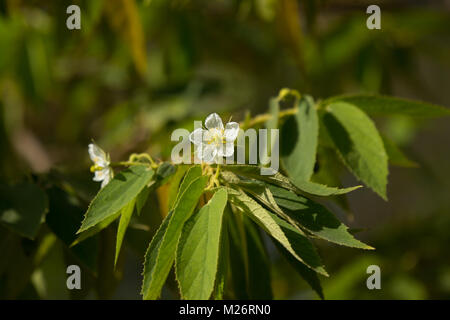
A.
x: 359, y: 144
x: 384, y: 105
x: 284, y: 182
x: 198, y: 249
x: 310, y: 215
x: 165, y: 170
x: 299, y: 136
x: 315, y: 218
x: 163, y: 175
x: 254, y: 172
x: 152, y: 253
x: 261, y: 193
x: 224, y: 259
x: 125, y: 216
x: 192, y: 174
x: 322, y: 190
x: 123, y: 188
x: 292, y: 239
x: 161, y: 255
x: 175, y: 184
x: 141, y: 199
x: 22, y: 208
x: 95, y: 229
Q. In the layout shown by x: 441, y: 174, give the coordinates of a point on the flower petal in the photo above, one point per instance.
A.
x: 108, y: 177
x: 207, y: 153
x: 231, y: 131
x: 226, y: 150
x: 213, y: 121
x: 101, y: 175
x: 97, y: 155
x: 196, y: 136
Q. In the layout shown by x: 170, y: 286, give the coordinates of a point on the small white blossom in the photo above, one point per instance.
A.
x: 103, y: 171
x: 216, y: 141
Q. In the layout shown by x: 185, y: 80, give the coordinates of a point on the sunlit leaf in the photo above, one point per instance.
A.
x: 315, y: 218
x: 359, y: 144
x: 125, y: 216
x: 175, y: 184
x: 383, y: 105
x: 278, y: 179
x: 198, y: 249
x: 161, y: 252
x: 125, y: 186
x: 299, y: 137
x: 292, y: 239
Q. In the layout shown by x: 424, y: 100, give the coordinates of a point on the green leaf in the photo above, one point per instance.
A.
x: 164, y: 171
x: 282, y: 181
x: 161, y: 252
x: 383, y: 105
x: 261, y: 193
x: 125, y: 216
x: 299, y: 136
x: 141, y: 199
x: 359, y: 144
x: 322, y: 190
x: 315, y: 218
x: 152, y: 253
x: 223, y: 268
x: 192, y: 174
x: 396, y: 156
x: 116, y: 194
x: 255, y: 173
x: 292, y: 239
x: 198, y: 249
x: 95, y: 229
x: 310, y: 215
x: 22, y: 208
x: 301, y: 245
x: 162, y: 175
x: 175, y: 183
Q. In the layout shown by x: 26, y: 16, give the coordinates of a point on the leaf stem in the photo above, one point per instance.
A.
x: 128, y: 163
x: 215, y: 179
x: 216, y: 176
x: 262, y: 118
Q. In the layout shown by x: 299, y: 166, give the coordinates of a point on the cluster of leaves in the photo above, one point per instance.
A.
x: 211, y: 232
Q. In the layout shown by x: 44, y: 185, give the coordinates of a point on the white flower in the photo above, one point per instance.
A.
x: 103, y: 171
x: 216, y: 141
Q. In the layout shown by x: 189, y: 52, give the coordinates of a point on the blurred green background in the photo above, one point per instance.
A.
x: 139, y: 69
